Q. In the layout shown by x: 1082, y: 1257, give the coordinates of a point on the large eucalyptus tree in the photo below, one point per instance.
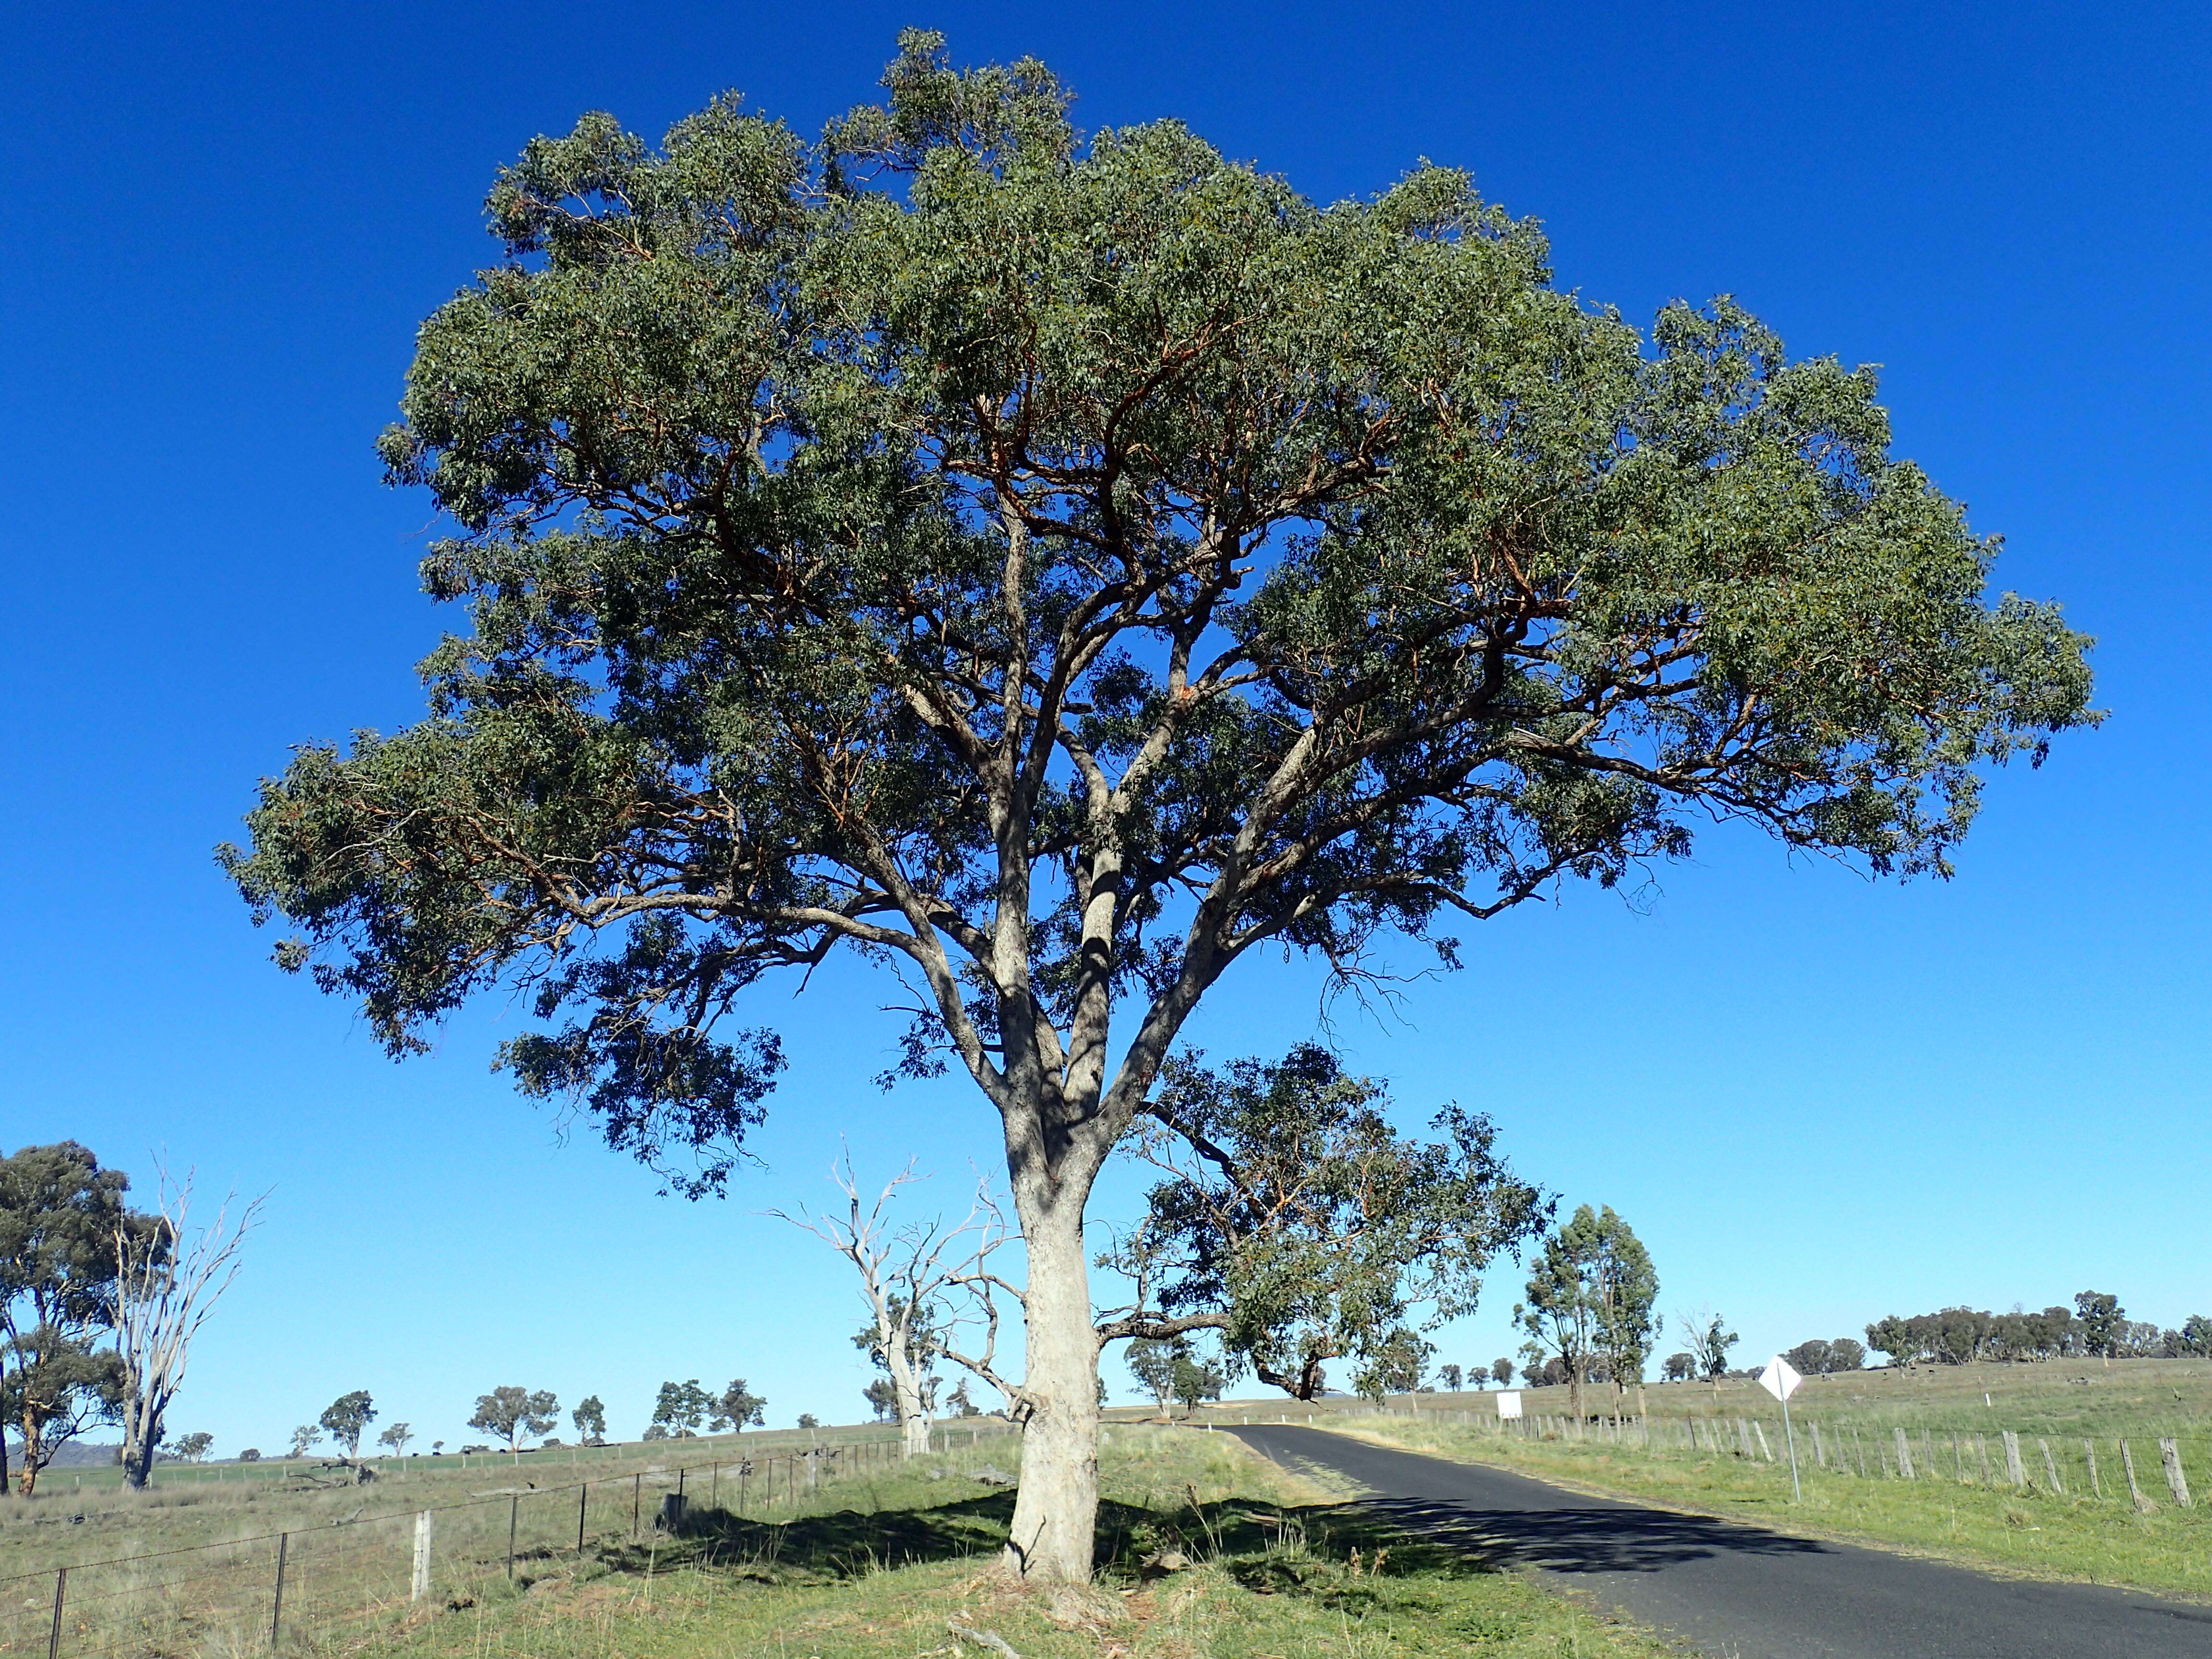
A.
x: 1054, y: 568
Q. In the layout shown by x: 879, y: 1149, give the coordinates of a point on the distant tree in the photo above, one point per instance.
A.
x: 169, y: 1278
x: 656, y: 1431
x: 191, y: 1448
x: 304, y: 1438
x: 1709, y: 1341
x: 59, y: 1212
x: 251, y: 1454
x: 882, y: 1398
x: 2196, y: 1336
x: 1501, y: 1371
x: 1298, y: 1222
x: 920, y: 1280
x: 1809, y: 1358
x: 1845, y: 1355
x: 514, y: 1413
x: 738, y: 1407
x: 2101, y: 1317
x: 1151, y: 1361
x: 1452, y: 1378
x: 396, y: 1436
x: 437, y: 1447
x: 808, y: 1420
x: 1625, y: 1287
x: 347, y: 1417
x: 590, y: 1418
x: 962, y: 1406
x: 1588, y: 1296
x: 1679, y: 1367
x: 1196, y: 1381
x: 1396, y: 1366
x: 681, y: 1410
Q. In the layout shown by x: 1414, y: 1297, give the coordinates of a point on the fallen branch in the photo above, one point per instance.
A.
x: 982, y: 1639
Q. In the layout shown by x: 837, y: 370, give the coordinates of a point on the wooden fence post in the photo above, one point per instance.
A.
x: 276, y: 1607
x: 514, y: 1511
x: 1982, y: 1451
x: 2096, y: 1487
x: 1764, y: 1449
x: 2176, y: 1481
x: 420, y: 1586
x: 1820, y: 1454
x: 2014, y: 1472
x: 1903, y: 1456
x: 54, y: 1636
x: 2135, y: 1493
x: 2051, y: 1466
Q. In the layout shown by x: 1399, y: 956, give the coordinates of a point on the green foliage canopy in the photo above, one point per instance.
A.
x: 347, y: 1417
x: 511, y: 1413
x: 1060, y: 566
x: 1296, y: 1220
x: 59, y: 1211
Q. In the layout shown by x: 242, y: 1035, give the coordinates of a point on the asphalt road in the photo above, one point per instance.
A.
x: 1740, y: 1592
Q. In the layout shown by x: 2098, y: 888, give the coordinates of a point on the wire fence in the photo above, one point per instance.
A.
x: 316, y: 1587
x: 2142, y: 1470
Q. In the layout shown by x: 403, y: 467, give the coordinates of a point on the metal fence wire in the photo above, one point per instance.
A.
x: 332, y: 1584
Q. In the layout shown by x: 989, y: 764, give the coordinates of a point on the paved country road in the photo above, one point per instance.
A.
x: 1740, y: 1592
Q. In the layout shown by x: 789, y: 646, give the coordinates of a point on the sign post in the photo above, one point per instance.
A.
x: 1780, y: 1379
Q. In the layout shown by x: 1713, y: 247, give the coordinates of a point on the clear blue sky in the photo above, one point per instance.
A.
x: 1818, y: 1099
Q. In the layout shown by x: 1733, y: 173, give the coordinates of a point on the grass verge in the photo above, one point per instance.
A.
x: 1211, y: 1553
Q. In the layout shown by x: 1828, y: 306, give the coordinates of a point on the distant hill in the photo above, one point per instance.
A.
x: 77, y: 1454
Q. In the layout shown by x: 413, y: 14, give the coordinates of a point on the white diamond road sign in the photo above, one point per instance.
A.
x: 1780, y: 1378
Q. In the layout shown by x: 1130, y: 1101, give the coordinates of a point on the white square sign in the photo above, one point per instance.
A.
x: 1780, y: 1378
x: 1509, y: 1402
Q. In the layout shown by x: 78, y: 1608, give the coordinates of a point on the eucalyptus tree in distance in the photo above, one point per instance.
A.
x: 59, y: 1213
x: 1297, y: 1221
x: 1057, y: 568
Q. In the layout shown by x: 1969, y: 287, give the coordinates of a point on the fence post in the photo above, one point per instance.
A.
x: 2096, y: 1487
x: 513, y: 1508
x: 1903, y: 1456
x: 277, y: 1609
x: 421, y: 1584
x: 2176, y: 1481
x: 2128, y: 1463
x: 2051, y: 1466
x: 583, y: 1498
x: 54, y: 1637
x: 636, y: 1495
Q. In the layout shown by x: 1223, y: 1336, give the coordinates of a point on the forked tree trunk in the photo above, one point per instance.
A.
x: 1056, y: 1511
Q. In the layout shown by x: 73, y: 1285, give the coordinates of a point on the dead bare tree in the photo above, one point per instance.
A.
x: 923, y: 1281
x: 167, y: 1281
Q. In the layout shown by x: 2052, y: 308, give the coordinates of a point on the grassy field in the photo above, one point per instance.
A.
x: 2075, y: 1397
x: 1247, y: 1563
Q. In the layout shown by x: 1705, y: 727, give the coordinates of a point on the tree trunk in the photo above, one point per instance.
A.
x: 906, y: 1382
x: 141, y: 1433
x: 914, y: 1432
x: 1056, y: 1510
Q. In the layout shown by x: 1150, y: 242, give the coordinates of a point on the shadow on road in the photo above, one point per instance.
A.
x: 1581, y: 1541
